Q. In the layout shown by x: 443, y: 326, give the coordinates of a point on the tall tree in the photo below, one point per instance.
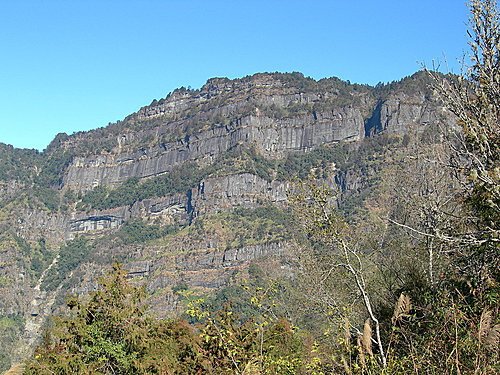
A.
x: 474, y: 98
x: 111, y: 333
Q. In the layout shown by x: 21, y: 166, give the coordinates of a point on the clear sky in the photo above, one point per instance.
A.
x: 70, y: 65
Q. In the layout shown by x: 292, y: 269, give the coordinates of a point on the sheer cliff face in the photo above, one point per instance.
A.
x: 238, y: 142
x: 250, y: 116
x: 273, y: 113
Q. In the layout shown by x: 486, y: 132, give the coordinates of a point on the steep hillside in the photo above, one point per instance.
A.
x: 190, y: 190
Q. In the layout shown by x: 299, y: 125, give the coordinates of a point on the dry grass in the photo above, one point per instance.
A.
x: 402, y: 308
x: 366, y: 340
x: 16, y: 369
x: 489, y: 334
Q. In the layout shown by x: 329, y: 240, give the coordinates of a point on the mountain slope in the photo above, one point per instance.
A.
x: 192, y: 189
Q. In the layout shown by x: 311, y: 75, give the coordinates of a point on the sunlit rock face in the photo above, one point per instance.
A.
x: 199, y: 161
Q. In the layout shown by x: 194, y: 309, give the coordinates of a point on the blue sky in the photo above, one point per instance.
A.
x: 70, y: 65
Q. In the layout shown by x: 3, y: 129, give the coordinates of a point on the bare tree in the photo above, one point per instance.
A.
x: 474, y: 98
x: 336, y: 260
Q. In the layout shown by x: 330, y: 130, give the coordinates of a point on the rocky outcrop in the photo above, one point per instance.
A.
x: 200, y: 126
x: 216, y: 258
x: 35, y: 223
x: 271, y: 115
x: 14, y: 282
x: 95, y: 223
x: 138, y: 269
x: 217, y: 194
x: 273, y: 138
x: 163, y: 210
x: 213, y: 194
x: 264, y: 110
x: 205, y: 269
x: 9, y: 189
x: 400, y: 112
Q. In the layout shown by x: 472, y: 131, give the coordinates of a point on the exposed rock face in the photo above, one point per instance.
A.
x: 272, y: 137
x: 221, y: 258
x: 274, y: 115
x: 96, y: 223
x: 400, y: 112
x: 35, y: 223
x: 214, y: 194
x: 263, y: 111
x: 167, y: 210
x: 206, y: 269
x: 245, y: 190
x: 139, y: 269
x: 8, y: 189
x: 14, y: 282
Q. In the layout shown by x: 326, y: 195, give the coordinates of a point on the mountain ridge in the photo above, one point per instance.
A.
x: 192, y: 188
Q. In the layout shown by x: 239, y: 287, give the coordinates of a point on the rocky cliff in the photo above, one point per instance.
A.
x: 276, y: 113
x: 192, y: 188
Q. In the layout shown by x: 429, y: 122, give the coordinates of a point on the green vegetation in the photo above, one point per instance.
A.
x: 418, y: 278
x: 301, y: 164
x: 70, y: 256
x: 81, y: 250
x: 404, y: 278
x: 111, y: 333
x: 177, y: 181
x: 17, y: 164
x: 22, y: 245
x: 244, y: 160
x: 98, y: 141
x: 53, y: 168
x: 10, y: 328
x: 262, y: 224
x: 245, y: 227
x: 48, y: 197
x: 419, y: 82
x: 137, y: 231
x: 40, y: 258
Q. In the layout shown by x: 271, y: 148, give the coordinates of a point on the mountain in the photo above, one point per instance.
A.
x: 191, y: 190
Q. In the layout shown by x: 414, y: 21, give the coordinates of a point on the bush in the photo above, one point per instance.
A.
x: 71, y: 256
x: 137, y: 231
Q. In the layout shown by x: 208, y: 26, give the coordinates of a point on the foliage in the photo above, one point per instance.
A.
x: 48, y: 197
x: 136, y: 230
x: 179, y: 180
x: 473, y: 99
x: 244, y: 160
x: 10, y: 327
x: 40, y: 258
x: 417, y: 83
x: 53, y: 168
x: 111, y: 333
x: 409, y: 285
x: 260, y: 344
x: 245, y: 226
x: 70, y: 256
x: 443, y: 216
x: 335, y: 255
x: 458, y: 314
x: 300, y: 164
x: 17, y: 164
